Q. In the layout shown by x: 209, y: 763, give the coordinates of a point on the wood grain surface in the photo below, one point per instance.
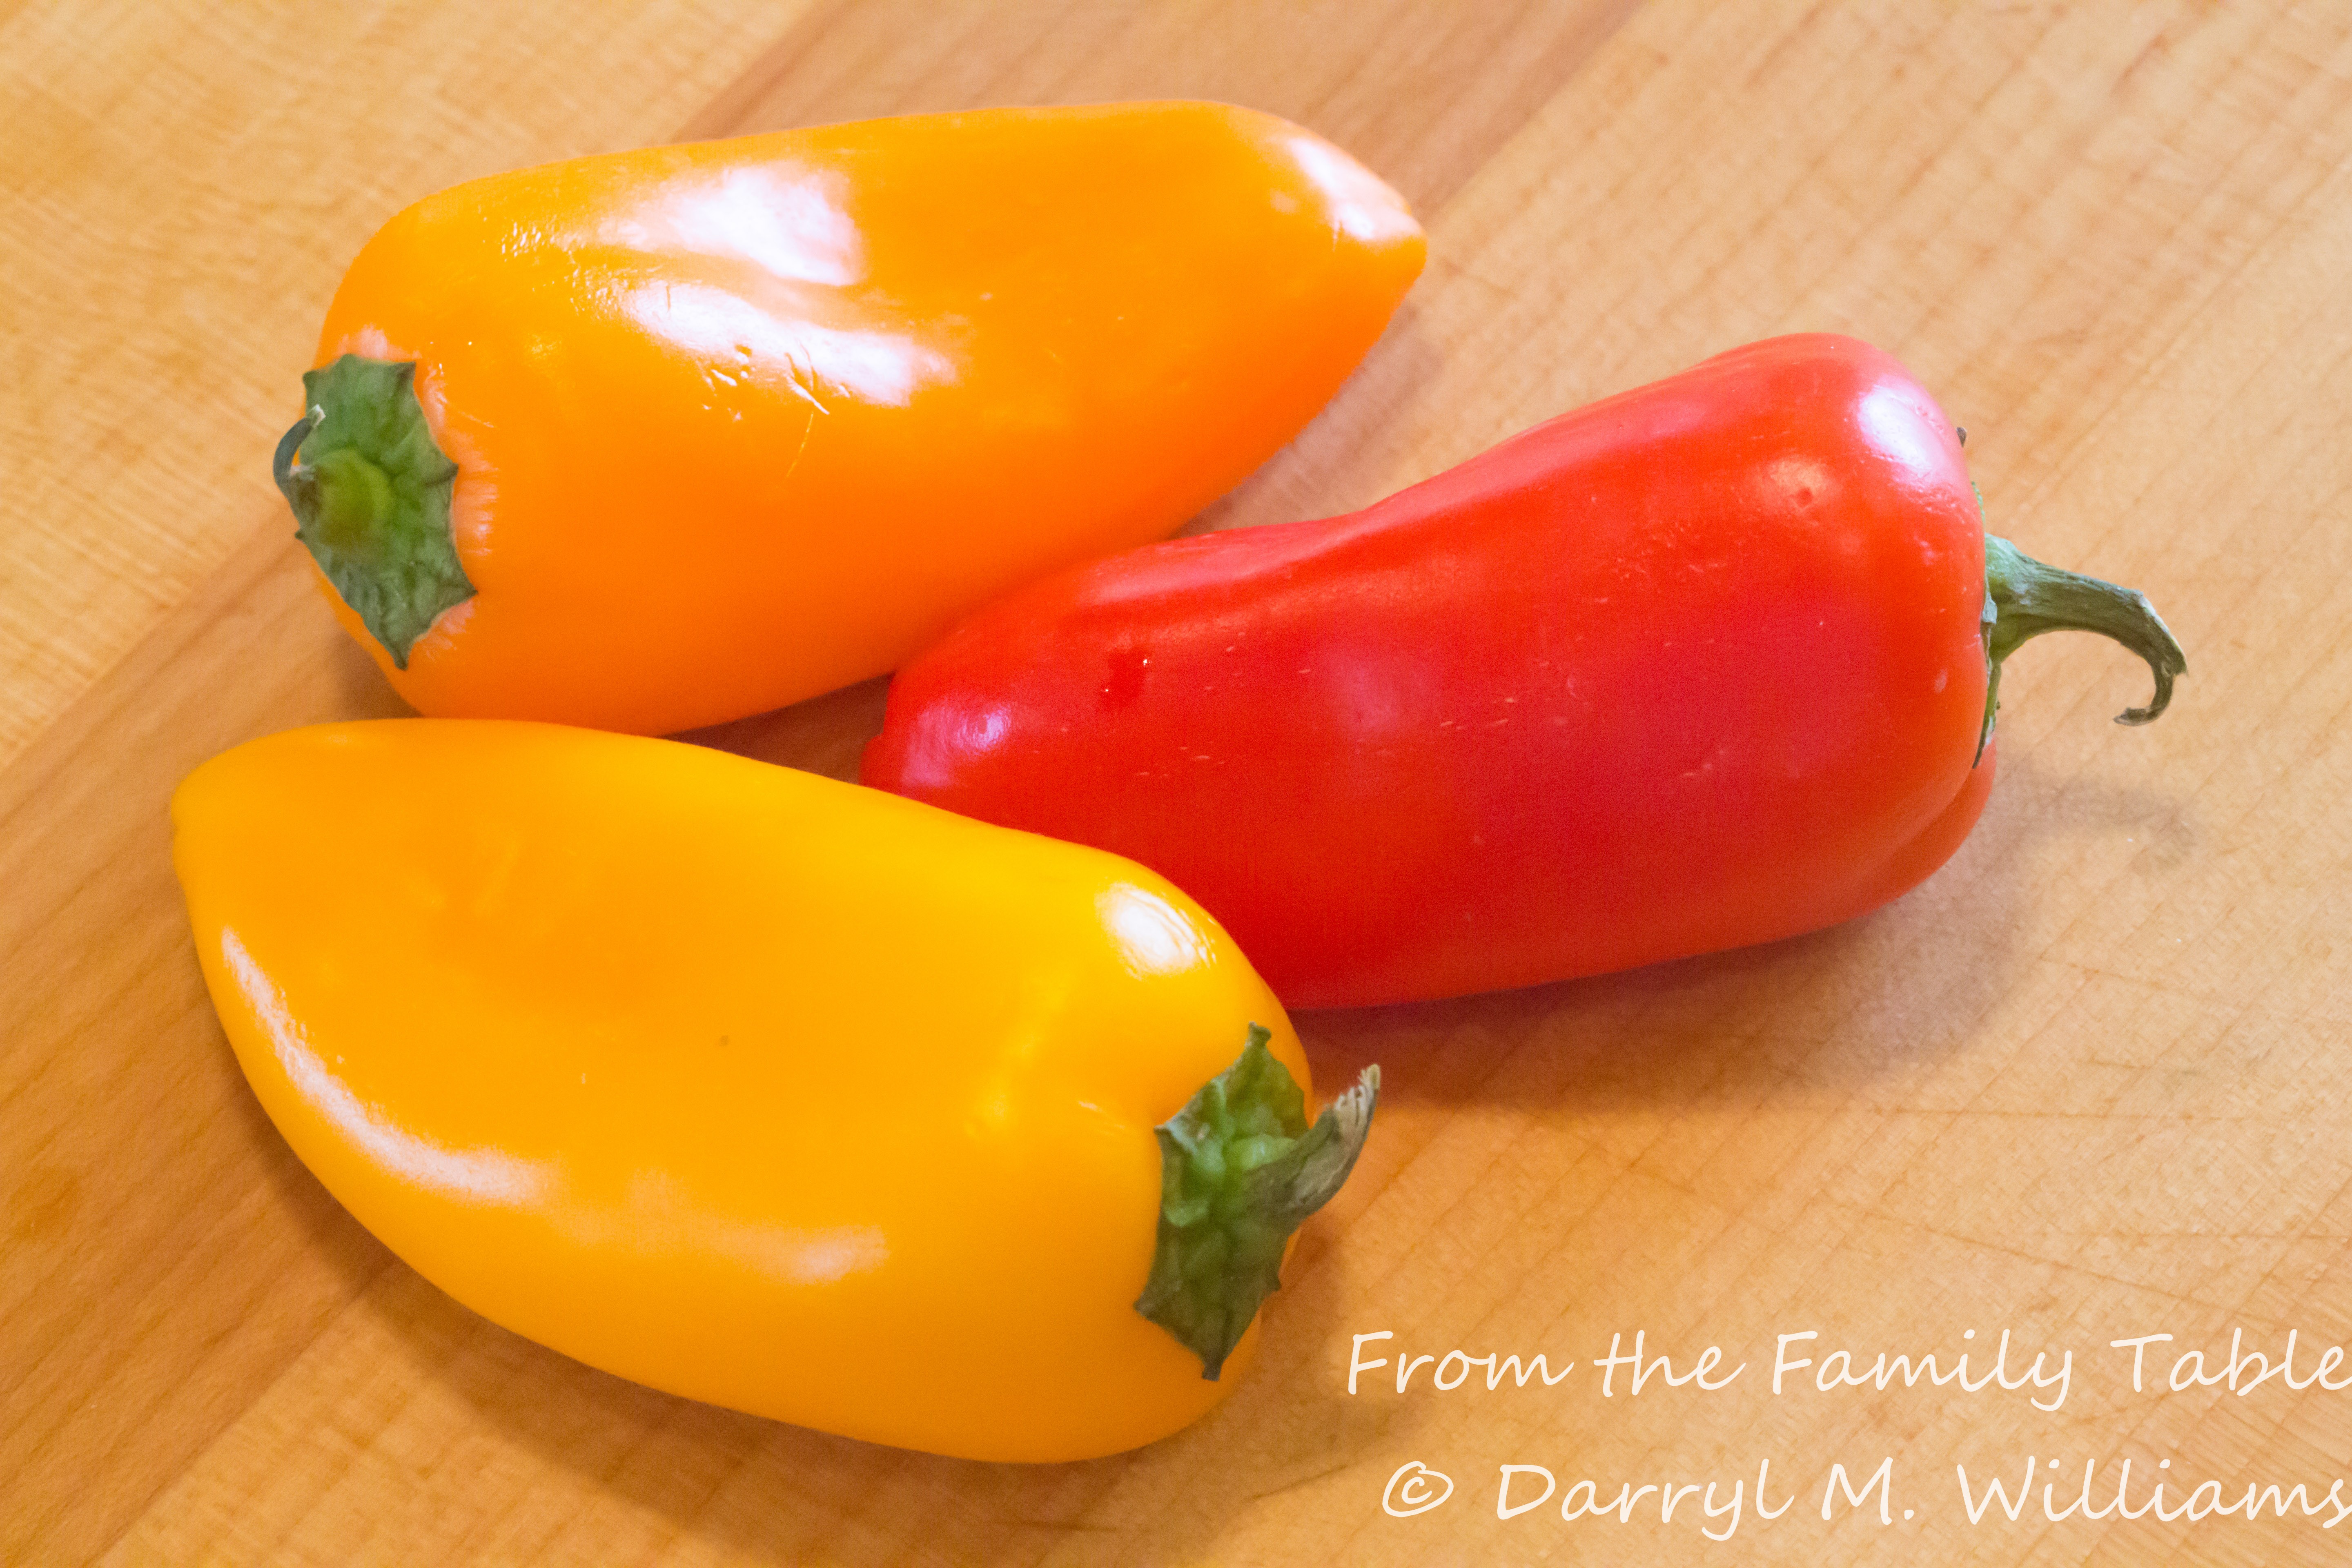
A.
x: 2086, y: 1084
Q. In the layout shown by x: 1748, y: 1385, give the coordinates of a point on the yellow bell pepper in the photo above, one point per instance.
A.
x: 665, y: 437
x: 758, y: 1087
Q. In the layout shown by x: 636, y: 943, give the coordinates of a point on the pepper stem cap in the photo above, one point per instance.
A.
x: 370, y: 488
x: 1240, y: 1170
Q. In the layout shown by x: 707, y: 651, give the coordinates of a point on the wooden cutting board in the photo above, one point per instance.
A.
x: 2086, y: 1085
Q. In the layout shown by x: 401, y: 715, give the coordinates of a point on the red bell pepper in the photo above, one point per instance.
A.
x: 1708, y: 663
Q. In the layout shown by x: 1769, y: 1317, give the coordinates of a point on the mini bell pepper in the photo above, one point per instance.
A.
x: 761, y: 1088
x: 1705, y: 664
x: 663, y: 437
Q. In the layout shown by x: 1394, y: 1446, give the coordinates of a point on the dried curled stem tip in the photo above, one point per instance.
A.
x: 2025, y: 597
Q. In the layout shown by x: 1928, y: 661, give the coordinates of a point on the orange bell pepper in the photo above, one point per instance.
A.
x: 762, y: 1089
x: 663, y: 437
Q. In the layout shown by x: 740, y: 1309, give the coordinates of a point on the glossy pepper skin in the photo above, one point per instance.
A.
x: 747, y: 1084
x: 739, y: 422
x: 1699, y: 666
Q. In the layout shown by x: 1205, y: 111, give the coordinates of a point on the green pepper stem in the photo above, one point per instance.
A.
x: 291, y: 484
x: 370, y: 490
x: 2025, y: 597
x: 1240, y: 1170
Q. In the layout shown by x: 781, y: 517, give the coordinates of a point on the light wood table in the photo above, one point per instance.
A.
x: 2087, y: 1084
